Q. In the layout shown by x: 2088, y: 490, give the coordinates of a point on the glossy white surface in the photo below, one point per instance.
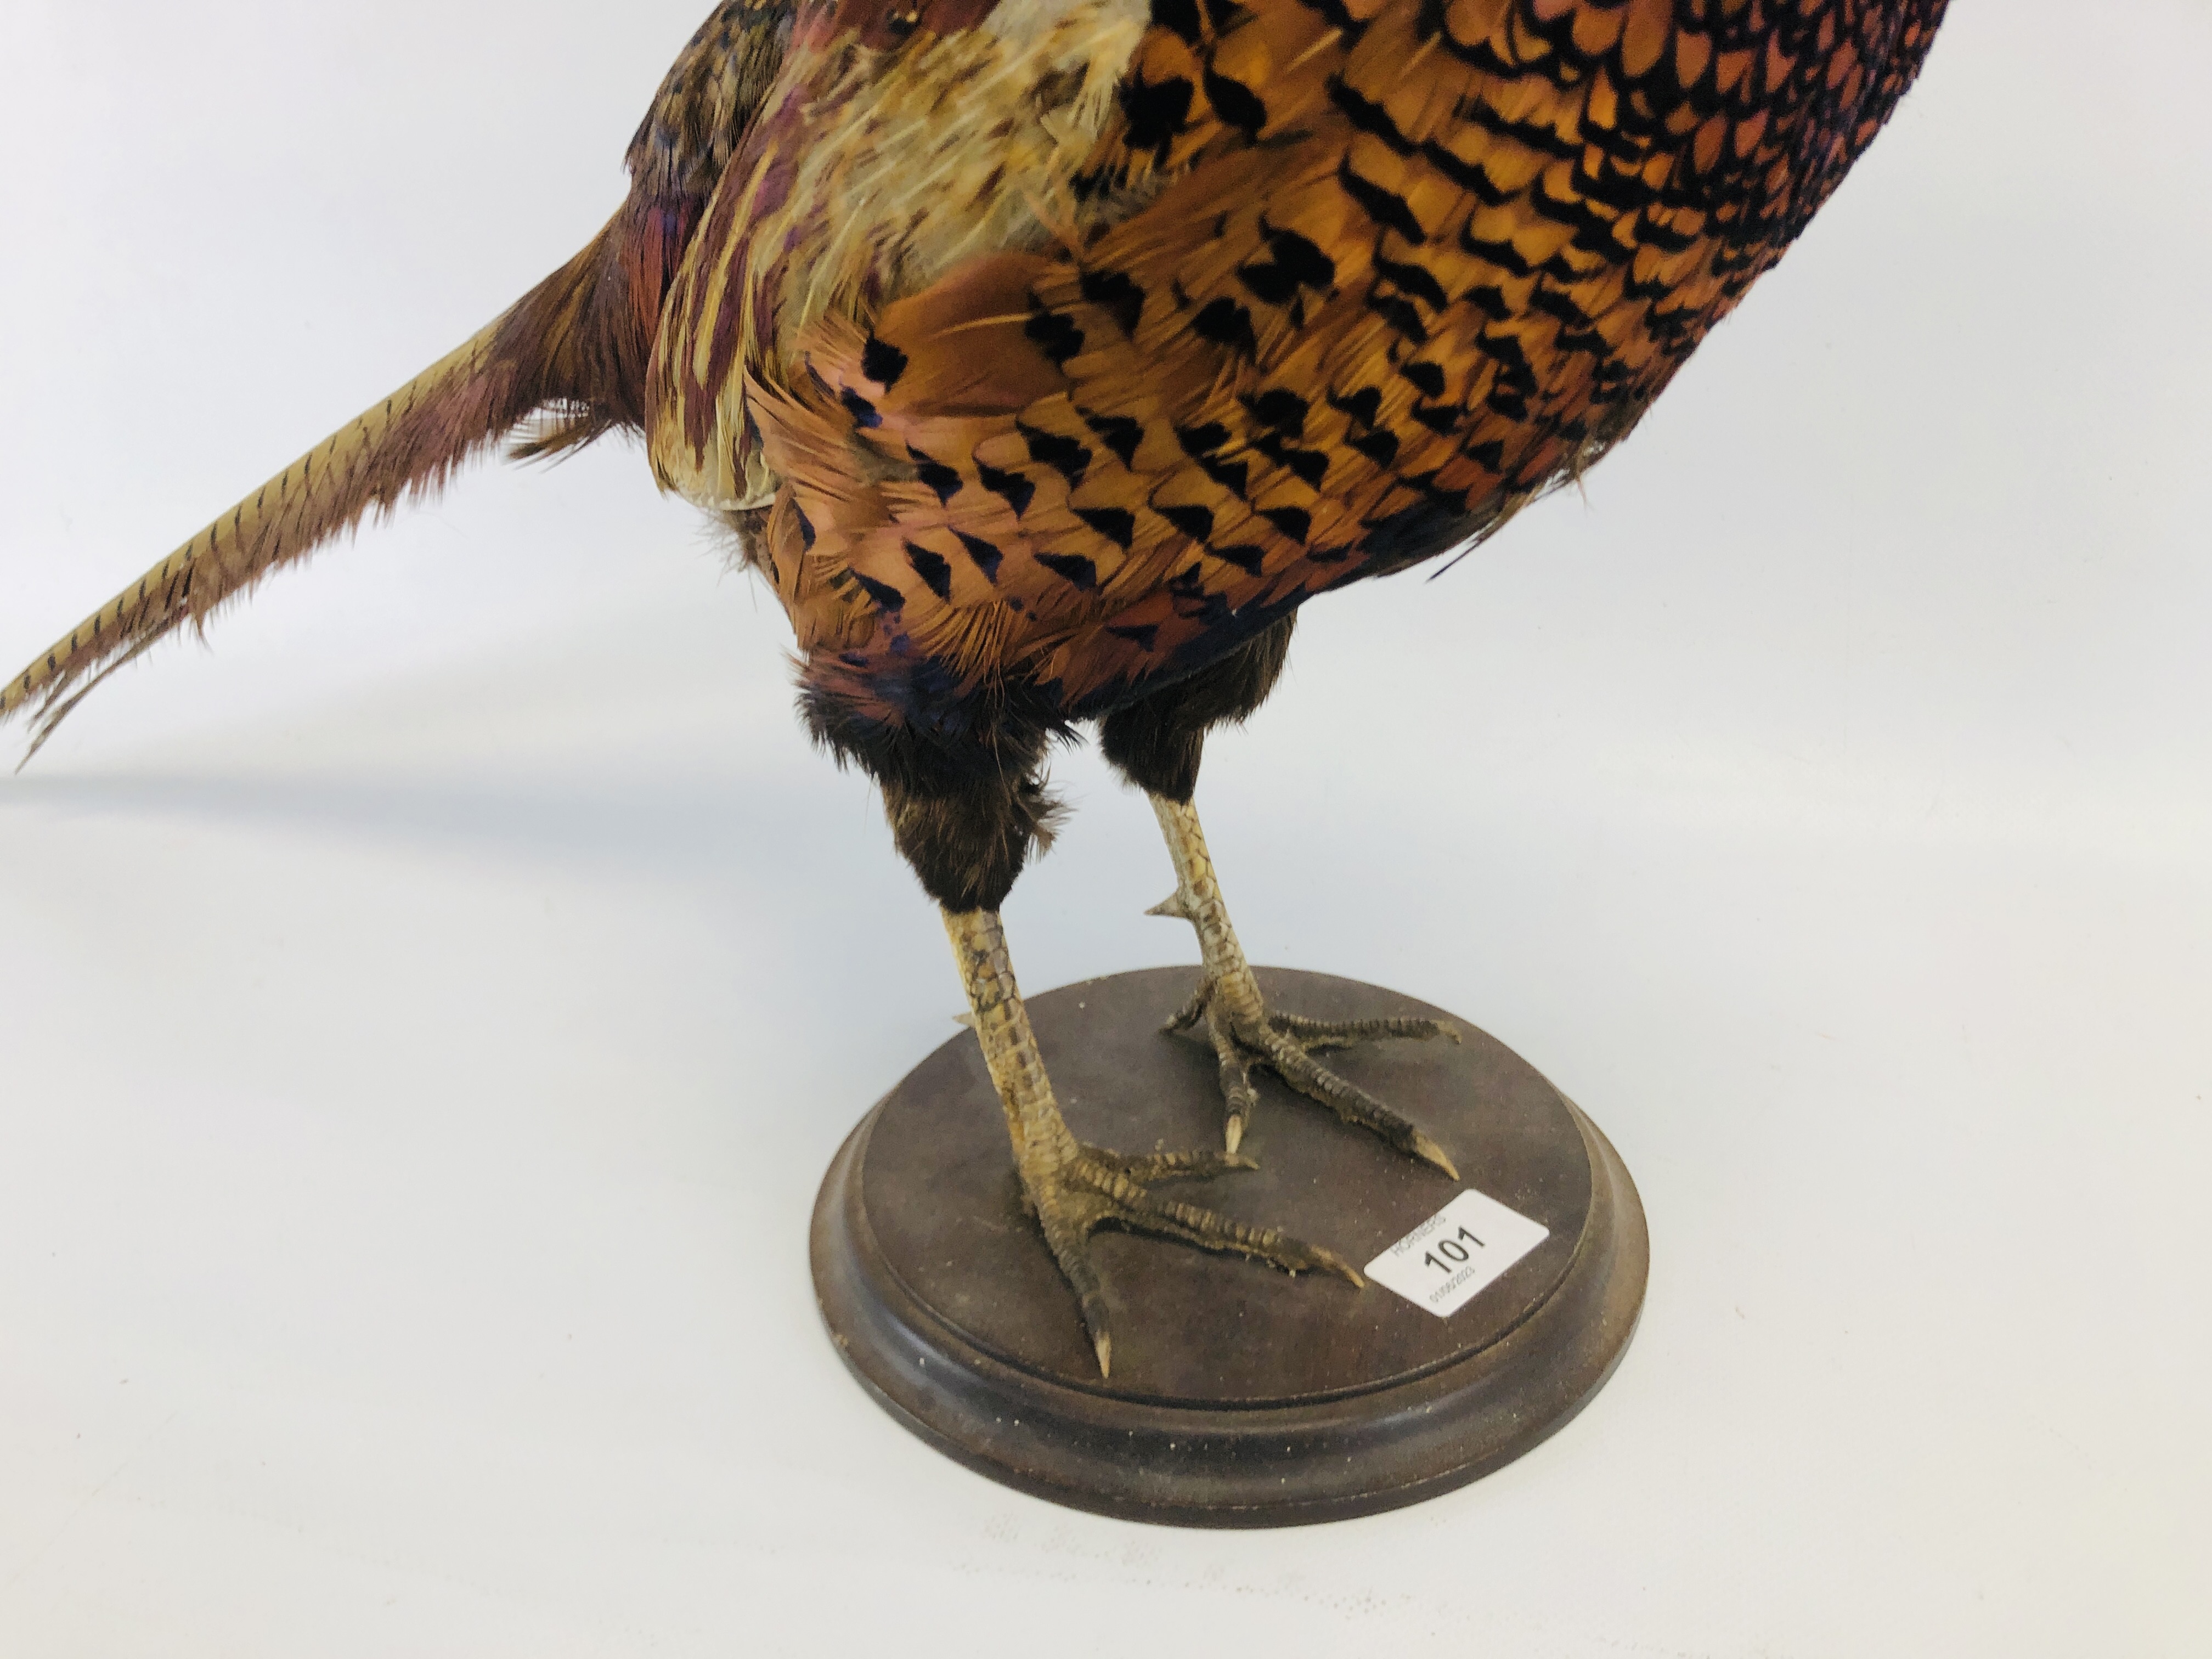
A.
x: 424, y: 1018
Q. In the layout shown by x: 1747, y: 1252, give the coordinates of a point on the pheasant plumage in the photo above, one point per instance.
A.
x: 1046, y: 355
x: 1335, y: 290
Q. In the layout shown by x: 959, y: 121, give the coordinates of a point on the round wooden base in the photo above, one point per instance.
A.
x: 1241, y: 1397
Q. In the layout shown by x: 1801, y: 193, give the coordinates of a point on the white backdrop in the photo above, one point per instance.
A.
x: 424, y: 1015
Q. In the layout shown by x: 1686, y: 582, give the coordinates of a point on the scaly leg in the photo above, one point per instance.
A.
x: 1074, y: 1188
x: 1246, y: 1034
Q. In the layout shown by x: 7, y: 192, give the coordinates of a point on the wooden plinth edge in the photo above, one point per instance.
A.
x: 1222, y: 1464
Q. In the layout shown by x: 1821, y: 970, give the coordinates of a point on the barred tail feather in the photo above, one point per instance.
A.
x: 410, y: 441
x: 407, y: 446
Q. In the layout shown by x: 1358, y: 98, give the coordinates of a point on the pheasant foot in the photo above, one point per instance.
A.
x: 1095, y: 1188
x: 1246, y: 1033
x: 1072, y: 1188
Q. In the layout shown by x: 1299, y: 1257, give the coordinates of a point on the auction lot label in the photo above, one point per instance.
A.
x: 1451, y: 1258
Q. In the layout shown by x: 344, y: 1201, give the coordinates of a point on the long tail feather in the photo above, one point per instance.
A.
x: 574, y: 350
x: 407, y: 446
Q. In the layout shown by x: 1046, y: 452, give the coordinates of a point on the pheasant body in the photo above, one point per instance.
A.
x: 1336, y: 290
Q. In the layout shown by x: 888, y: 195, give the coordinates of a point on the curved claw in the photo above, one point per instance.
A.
x: 1429, y: 1153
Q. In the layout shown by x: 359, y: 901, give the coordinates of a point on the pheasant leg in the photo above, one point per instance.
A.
x: 1074, y: 1190
x: 1246, y: 1033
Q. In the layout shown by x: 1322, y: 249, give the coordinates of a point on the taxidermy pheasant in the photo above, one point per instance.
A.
x: 1046, y: 355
